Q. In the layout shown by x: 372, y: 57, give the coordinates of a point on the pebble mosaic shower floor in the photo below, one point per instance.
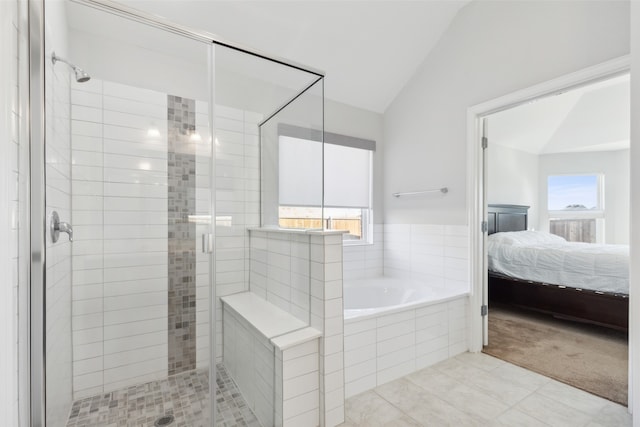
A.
x: 183, y: 396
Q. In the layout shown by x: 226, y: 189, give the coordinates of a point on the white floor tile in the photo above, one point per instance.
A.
x: 474, y: 402
x: 481, y: 361
x: 499, y: 389
x: 477, y: 389
x: 369, y: 409
x: 521, y: 377
x: 552, y: 412
x: 516, y: 418
x: 424, y: 407
x: 612, y: 415
x: 573, y: 397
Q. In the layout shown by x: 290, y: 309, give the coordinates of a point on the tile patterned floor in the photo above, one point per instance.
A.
x: 231, y: 408
x: 185, y: 396
x: 480, y: 390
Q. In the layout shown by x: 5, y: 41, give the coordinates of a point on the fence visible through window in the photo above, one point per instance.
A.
x: 353, y: 226
x: 574, y: 230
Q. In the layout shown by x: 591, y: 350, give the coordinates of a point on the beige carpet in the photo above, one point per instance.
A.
x: 588, y: 357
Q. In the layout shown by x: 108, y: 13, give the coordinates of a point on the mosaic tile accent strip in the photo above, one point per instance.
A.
x: 181, y: 165
x: 185, y: 396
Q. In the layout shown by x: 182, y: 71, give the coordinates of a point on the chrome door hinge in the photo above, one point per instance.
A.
x: 484, y: 310
x: 207, y: 243
x: 485, y: 142
x: 484, y: 226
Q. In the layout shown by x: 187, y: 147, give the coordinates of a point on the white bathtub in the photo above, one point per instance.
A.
x: 372, y: 296
x: 393, y: 327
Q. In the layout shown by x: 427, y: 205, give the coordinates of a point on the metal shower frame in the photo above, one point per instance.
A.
x: 37, y: 179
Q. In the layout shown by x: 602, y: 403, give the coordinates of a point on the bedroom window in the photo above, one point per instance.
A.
x: 347, y: 184
x: 576, y: 207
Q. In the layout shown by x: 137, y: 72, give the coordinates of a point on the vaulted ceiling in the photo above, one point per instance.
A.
x: 368, y: 49
x: 591, y: 118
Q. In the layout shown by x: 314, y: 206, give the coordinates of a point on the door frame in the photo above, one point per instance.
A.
x: 476, y: 203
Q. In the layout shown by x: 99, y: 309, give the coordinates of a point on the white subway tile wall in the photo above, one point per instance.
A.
x: 280, y: 270
x: 298, y: 385
x: 327, y: 315
x: 434, y: 254
x: 120, y: 219
x: 302, y: 274
x: 386, y: 347
x: 237, y: 173
x: 363, y: 261
x: 278, y: 375
x: 249, y: 359
x: 119, y: 146
x: 58, y: 171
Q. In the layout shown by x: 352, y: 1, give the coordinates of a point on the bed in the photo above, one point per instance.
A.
x: 543, y: 272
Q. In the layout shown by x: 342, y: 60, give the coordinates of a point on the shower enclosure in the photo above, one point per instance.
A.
x: 146, y: 173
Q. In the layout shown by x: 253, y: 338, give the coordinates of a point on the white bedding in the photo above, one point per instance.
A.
x: 536, y: 256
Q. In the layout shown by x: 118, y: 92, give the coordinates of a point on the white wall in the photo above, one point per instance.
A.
x: 9, y: 120
x: 634, y: 270
x: 492, y: 48
x: 512, y: 178
x: 615, y: 167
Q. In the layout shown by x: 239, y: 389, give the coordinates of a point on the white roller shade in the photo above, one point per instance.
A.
x: 347, y: 175
x: 300, y: 172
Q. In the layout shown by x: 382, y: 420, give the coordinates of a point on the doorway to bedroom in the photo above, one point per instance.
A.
x: 557, y: 201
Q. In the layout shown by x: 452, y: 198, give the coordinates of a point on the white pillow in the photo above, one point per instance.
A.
x: 525, y: 238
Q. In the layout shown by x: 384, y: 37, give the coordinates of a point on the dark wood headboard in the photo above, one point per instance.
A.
x: 507, y: 218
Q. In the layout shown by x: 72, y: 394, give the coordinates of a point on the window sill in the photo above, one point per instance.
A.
x: 349, y: 243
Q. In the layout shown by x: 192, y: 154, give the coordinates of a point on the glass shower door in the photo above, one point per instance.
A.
x: 128, y: 177
x: 135, y: 174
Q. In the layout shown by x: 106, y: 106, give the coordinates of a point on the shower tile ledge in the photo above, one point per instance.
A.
x: 269, y: 320
x: 311, y: 231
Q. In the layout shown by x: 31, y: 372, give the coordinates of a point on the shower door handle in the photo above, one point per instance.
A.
x: 207, y: 243
x: 56, y: 227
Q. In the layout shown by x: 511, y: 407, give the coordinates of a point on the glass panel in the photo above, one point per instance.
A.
x: 128, y: 168
x: 133, y: 114
x: 248, y: 90
x: 294, y: 184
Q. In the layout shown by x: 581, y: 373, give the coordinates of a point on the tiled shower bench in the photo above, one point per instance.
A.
x: 274, y: 359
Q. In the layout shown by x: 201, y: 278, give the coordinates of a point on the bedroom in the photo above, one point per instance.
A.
x: 560, y: 167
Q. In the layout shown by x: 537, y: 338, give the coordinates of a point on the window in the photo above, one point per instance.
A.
x: 576, y: 207
x: 347, y: 182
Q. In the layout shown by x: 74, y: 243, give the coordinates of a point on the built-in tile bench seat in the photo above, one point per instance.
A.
x: 274, y: 359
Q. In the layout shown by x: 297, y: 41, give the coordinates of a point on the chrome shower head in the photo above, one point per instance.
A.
x: 81, y: 75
